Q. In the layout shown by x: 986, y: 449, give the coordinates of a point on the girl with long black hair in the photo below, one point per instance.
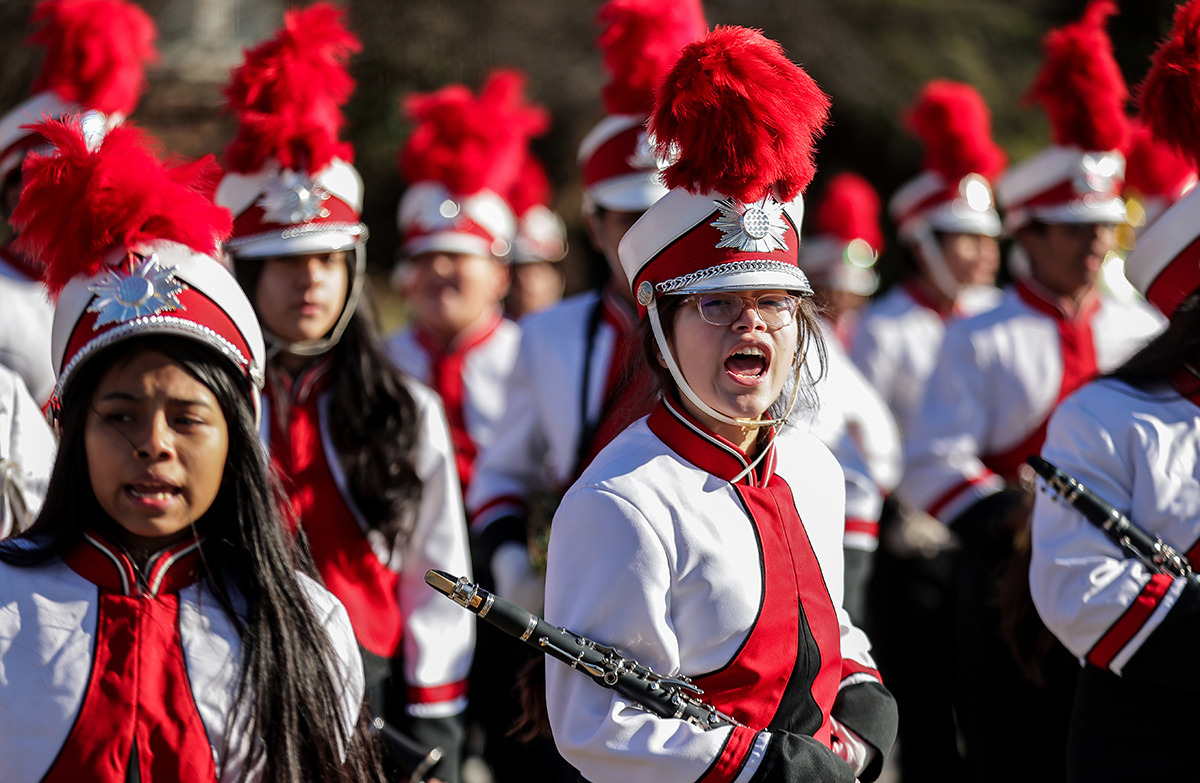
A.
x: 156, y: 623
x: 364, y: 452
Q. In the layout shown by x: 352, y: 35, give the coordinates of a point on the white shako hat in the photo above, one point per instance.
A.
x: 137, y: 253
x: 460, y: 160
x: 841, y: 253
x: 639, y: 41
x: 741, y: 120
x: 290, y: 185
x: 1080, y: 87
x: 96, y: 53
x: 541, y: 234
x: 1165, y: 264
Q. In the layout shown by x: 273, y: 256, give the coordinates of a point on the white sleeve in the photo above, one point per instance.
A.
x: 609, y: 579
x: 1100, y: 602
x: 944, y: 474
x: 27, y: 452
x: 439, y: 637
x: 877, y: 364
x: 513, y: 466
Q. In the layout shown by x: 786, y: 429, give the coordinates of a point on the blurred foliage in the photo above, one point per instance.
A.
x: 871, y: 56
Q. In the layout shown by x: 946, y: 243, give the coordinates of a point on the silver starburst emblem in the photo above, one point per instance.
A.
x: 293, y: 198
x: 757, y: 227
x: 137, y: 288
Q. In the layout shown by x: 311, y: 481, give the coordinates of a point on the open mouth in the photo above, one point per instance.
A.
x: 152, y: 491
x: 749, y: 362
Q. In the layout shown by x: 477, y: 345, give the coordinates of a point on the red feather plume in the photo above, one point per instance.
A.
x: 640, y: 41
x: 1154, y: 169
x: 120, y: 194
x: 96, y: 52
x: 530, y: 188
x: 470, y: 143
x: 1170, y: 95
x: 288, y: 94
x: 1080, y: 86
x: 738, y: 118
x: 955, y: 129
x: 850, y: 210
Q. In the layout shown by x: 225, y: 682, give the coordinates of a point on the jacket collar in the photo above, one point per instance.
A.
x: 708, y: 451
x: 106, y: 565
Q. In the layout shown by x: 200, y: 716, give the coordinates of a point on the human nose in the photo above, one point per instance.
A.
x: 749, y: 319
x: 443, y: 265
x: 154, y: 441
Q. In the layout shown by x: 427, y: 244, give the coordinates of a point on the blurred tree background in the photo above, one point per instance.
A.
x: 870, y: 56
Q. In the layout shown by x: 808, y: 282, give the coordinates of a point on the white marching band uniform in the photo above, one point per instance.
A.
x: 170, y: 660
x: 996, y: 381
x: 897, y: 341
x: 26, y: 315
x: 1140, y: 451
x: 471, y: 377
x: 27, y: 451
x: 657, y: 553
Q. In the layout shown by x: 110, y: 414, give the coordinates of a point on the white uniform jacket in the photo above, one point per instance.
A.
x: 997, y: 379
x: 471, y: 376
x: 738, y: 586
x: 26, y: 315
x: 97, y: 670
x: 27, y: 450
x: 381, y: 582
x: 1140, y: 451
x: 555, y: 397
x: 897, y: 341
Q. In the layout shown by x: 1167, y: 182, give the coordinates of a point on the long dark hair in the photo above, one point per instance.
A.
x: 286, y: 694
x: 1168, y: 353
x: 372, y: 418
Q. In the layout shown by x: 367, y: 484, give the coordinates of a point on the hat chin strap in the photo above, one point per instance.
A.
x: 935, y: 263
x: 277, y: 345
x: 661, y: 339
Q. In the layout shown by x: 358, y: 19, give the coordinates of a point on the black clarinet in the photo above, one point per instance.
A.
x: 667, y: 697
x: 1150, y: 549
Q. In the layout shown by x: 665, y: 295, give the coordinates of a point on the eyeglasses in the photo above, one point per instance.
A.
x: 775, y: 310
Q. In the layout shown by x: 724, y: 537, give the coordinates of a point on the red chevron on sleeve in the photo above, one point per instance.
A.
x: 733, y: 756
x: 1124, y: 629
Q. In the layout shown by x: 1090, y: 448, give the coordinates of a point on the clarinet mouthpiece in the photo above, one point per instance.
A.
x: 441, y: 581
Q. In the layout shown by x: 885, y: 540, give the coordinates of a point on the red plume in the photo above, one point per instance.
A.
x: 1154, y: 169
x: 739, y: 118
x: 96, y: 52
x: 120, y: 194
x: 850, y: 210
x: 468, y: 143
x: 1080, y: 86
x: 531, y: 186
x: 955, y: 128
x: 1170, y: 95
x: 289, y: 92
x: 640, y: 41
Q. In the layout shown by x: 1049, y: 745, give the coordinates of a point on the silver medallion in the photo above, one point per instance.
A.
x: 137, y: 288
x: 757, y: 227
x: 293, y: 198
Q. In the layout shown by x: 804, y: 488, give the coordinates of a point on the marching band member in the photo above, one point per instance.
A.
x: 96, y: 52
x: 999, y: 376
x: 364, y: 451
x: 1131, y: 438
x: 536, y: 278
x: 155, y: 621
x: 689, y: 538
x: 948, y: 224
x: 458, y: 233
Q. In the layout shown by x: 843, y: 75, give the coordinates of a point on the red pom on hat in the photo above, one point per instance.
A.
x: 1170, y: 95
x: 288, y: 93
x: 96, y: 52
x: 739, y: 118
x: 531, y: 187
x: 1154, y: 169
x: 850, y: 210
x: 468, y: 143
x: 1080, y: 86
x: 954, y: 126
x: 640, y: 41
x: 119, y: 194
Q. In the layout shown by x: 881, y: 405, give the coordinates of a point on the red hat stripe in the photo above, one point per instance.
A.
x: 462, y: 225
x: 1178, y: 280
x: 614, y: 157
x: 938, y: 197
x: 252, y: 222
x: 1066, y: 192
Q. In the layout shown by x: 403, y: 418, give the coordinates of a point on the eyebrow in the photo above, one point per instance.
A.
x: 127, y: 396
